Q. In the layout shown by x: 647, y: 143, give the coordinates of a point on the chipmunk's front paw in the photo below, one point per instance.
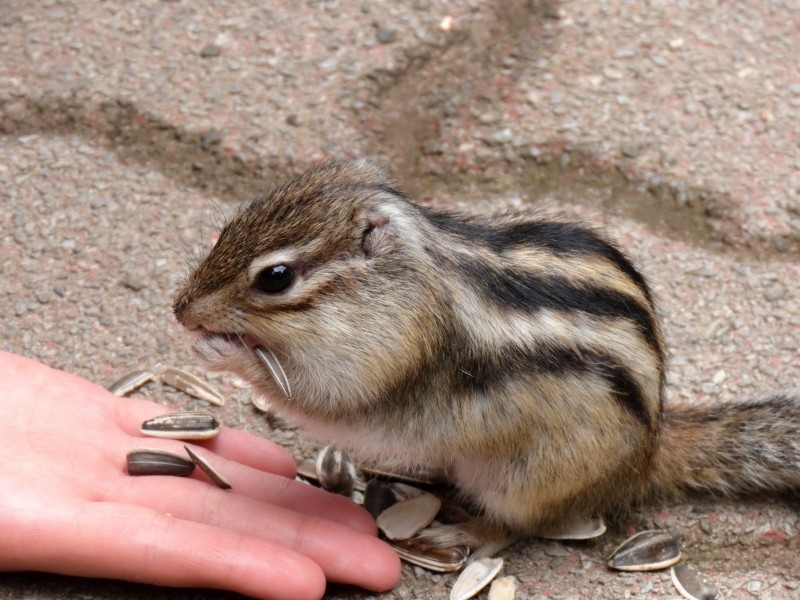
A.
x: 483, y: 537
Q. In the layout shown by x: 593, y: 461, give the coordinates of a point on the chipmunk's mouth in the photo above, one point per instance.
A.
x: 240, y: 340
x: 218, y: 349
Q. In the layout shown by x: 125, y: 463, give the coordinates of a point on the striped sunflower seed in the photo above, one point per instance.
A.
x: 189, y: 425
x: 646, y: 551
x: 335, y: 471
x: 150, y: 461
x: 691, y: 584
x: 275, y: 369
x: 423, y: 554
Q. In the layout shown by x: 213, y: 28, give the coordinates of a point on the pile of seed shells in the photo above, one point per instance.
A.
x: 403, y: 505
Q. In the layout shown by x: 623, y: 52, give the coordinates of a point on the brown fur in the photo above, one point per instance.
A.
x: 520, y: 354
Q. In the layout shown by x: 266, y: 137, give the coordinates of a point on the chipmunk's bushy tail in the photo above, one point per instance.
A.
x: 731, y: 449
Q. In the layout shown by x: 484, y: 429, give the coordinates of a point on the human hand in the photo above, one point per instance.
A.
x: 67, y: 505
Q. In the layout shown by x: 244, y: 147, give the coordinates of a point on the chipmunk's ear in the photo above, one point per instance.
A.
x: 375, y: 235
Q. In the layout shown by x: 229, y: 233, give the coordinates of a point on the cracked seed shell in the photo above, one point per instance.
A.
x: 208, y: 469
x: 192, y: 385
x: 578, y: 529
x: 127, y: 384
x: 475, y: 577
x: 404, y: 519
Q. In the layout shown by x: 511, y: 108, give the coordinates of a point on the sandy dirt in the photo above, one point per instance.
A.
x: 128, y: 130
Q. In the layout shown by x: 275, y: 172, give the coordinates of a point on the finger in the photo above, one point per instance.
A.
x: 141, y: 544
x: 344, y: 554
x: 240, y: 446
x: 253, y: 451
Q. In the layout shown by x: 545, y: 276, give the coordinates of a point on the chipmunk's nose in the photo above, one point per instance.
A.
x: 182, y: 308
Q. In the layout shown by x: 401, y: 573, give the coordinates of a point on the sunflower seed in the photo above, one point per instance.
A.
x: 189, y: 425
x: 149, y: 461
x: 192, y: 385
x: 475, y: 577
x: 131, y: 382
x: 433, y: 558
x: 402, y: 520
x: 579, y: 529
x: 378, y: 496
x: 646, y: 551
x: 414, y: 476
x: 268, y: 359
x: 503, y: 588
x: 335, y: 471
x: 206, y: 467
x: 691, y: 584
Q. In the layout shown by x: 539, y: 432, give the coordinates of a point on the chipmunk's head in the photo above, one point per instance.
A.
x: 317, y: 271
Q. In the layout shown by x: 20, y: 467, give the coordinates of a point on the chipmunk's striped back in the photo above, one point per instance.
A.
x: 553, y: 296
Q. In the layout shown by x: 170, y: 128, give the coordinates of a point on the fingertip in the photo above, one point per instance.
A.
x: 392, y: 568
x: 379, y: 567
x: 386, y: 579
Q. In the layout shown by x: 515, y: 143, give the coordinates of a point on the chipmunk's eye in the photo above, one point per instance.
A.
x: 274, y: 279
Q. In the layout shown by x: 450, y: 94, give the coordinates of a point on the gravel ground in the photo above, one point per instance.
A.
x: 128, y: 129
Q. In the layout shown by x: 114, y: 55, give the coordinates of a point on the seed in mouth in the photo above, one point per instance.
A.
x: 275, y: 369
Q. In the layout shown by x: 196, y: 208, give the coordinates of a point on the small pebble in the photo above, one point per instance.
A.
x: 210, y: 138
x: 132, y: 283
x: 502, y: 136
x: 210, y: 51
x: 384, y: 35
x: 631, y: 149
x: 776, y: 291
x: 754, y: 587
x: 705, y: 525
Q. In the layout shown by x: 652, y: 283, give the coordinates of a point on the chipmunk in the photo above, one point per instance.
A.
x: 518, y: 353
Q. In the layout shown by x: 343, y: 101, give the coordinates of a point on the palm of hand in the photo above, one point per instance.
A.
x: 69, y: 507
